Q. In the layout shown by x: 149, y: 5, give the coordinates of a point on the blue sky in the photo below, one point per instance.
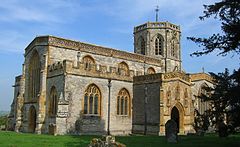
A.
x: 103, y: 22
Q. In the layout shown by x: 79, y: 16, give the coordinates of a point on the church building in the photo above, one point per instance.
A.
x: 71, y: 87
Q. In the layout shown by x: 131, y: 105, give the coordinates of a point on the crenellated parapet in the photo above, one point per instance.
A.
x: 201, y: 76
x: 151, y: 78
x: 162, y: 77
x: 157, y: 25
x: 91, y: 70
x: 55, y: 69
x: 91, y: 48
x: 177, y: 75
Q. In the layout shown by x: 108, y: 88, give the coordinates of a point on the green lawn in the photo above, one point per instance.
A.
x: 12, y: 139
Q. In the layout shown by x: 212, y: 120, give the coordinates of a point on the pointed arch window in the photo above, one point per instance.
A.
x: 53, y: 102
x: 142, y: 45
x: 88, y: 62
x: 159, y: 45
x: 92, y: 99
x: 202, y: 104
x: 123, y: 102
x: 123, y: 68
x: 151, y: 70
x: 34, y: 76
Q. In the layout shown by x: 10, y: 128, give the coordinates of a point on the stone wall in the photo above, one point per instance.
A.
x: 39, y: 102
x: 78, y: 123
x: 146, y: 95
x: 60, y: 54
x: 169, y: 32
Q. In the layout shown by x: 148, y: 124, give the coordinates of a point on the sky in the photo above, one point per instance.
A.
x: 103, y: 22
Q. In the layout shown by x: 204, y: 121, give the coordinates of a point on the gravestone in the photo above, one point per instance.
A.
x: 222, y: 129
x: 171, y: 131
x: 52, y: 129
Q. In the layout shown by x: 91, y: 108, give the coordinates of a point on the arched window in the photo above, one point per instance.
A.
x: 53, y: 102
x: 159, y: 45
x: 123, y: 68
x: 88, y: 62
x: 123, y: 102
x: 141, y: 44
x: 32, y: 117
x: 202, y: 104
x: 150, y: 70
x: 92, y: 99
x: 34, y: 76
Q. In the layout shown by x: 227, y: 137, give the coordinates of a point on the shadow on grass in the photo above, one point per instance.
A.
x: 156, y: 141
x: 80, y: 140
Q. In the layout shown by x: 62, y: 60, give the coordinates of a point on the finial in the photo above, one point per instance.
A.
x: 203, y: 70
x: 157, y: 10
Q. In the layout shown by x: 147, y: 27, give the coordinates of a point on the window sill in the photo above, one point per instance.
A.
x: 92, y: 116
x: 122, y: 115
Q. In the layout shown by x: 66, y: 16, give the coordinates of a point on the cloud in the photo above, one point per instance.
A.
x: 9, y: 42
x: 44, y: 11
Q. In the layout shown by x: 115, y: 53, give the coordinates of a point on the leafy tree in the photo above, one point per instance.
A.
x: 228, y: 12
x: 225, y: 96
x: 3, y: 120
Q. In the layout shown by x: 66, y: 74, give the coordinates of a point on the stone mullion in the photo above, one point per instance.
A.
x: 88, y: 104
x: 93, y: 105
x: 124, y: 105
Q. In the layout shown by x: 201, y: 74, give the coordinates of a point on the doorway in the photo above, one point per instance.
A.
x: 175, y: 116
x: 32, y: 119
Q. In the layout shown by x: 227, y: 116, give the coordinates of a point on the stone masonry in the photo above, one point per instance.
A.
x: 64, y: 86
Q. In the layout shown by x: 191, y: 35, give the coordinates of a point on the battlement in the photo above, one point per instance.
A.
x: 201, y: 76
x: 180, y: 75
x: 90, y: 48
x: 156, y: 25
x: 17, y: 80
x: 91, y: 70
x: 162, y: 77
x: 151, y: 78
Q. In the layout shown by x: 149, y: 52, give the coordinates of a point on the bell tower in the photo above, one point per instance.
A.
x: 159, y: 40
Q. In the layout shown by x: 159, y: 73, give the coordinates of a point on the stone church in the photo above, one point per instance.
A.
x: 68, y: 87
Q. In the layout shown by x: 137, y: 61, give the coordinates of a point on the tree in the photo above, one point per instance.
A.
x: 225, y: 96
x: 228, y: 12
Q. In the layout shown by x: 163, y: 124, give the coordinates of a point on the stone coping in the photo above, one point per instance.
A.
x: 91, y: 48
x: 201, y: 76
x: 156, y: 25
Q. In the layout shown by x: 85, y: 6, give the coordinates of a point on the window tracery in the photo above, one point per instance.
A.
x: 92, y: 98
x: 123, y: 102
x: 34, y: 76
x: 88, y: 62
x: 159, y: 45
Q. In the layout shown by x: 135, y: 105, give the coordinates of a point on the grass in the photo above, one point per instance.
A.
x: 12, y: 139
